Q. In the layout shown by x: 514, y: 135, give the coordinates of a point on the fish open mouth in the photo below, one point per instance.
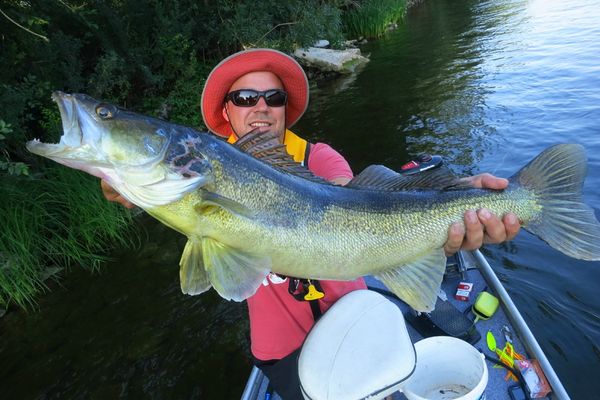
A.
x: 72, y: 137
x: 77, y: 147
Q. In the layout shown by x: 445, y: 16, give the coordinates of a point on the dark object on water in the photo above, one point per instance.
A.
x: 422, y: 163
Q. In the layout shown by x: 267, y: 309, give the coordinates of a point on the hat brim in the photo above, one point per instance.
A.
x: 235, y: 66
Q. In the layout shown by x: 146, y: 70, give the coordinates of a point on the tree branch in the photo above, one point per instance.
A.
x: 272, y: 29
x: 22, y: 27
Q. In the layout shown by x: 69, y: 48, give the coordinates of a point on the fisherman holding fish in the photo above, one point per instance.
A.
x: 267, y: 91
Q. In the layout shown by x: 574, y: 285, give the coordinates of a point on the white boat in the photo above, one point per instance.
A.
x: 505, y: 324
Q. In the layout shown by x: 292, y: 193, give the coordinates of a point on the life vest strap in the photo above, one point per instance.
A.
x: 309, y: 290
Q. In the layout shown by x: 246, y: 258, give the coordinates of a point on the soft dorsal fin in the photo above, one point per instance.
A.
x: 375, y: 177
x: 378, y: 177
x: 265, y: 146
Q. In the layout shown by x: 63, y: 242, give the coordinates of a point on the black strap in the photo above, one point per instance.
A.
x: 316, y: 310
x: 299, y: 287
x: 307, y: 153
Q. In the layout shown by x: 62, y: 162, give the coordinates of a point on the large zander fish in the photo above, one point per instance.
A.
x: 247, y: 209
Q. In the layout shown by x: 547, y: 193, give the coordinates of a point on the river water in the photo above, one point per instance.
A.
x: 487, y: 84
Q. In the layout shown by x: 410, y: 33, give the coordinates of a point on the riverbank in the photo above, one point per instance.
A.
x: 157, y: 69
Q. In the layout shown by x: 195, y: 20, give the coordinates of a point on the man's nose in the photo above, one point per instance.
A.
x: 261, y: 105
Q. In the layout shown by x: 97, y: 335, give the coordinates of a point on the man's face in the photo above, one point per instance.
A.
x: 244, y: 119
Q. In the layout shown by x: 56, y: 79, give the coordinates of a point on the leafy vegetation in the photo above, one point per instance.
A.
x: 7, y: 166
x: 52, y: 222
x: 149, y: 55
x: 372, y: 19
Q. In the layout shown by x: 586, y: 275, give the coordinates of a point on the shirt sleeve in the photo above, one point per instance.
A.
x: 327, y: 163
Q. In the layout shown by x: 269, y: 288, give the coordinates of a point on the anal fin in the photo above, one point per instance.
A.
x: 417, y: 283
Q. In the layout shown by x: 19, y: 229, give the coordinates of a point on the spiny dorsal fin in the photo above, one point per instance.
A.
x: 378, y: 177
x: 265, y: 146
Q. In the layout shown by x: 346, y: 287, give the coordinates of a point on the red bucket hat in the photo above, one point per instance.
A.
x: 233, y: 67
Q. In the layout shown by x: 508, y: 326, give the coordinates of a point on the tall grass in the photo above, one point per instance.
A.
x: 371, y: 18
x: 50, y: 223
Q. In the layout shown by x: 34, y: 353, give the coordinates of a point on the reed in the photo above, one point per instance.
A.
x: 371, y: 18
x: 51, y: 223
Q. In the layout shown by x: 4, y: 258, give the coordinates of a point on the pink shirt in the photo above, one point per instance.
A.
x: 327, y: 163
x: 278, y: 322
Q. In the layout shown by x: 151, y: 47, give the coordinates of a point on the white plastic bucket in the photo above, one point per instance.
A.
x: 447, y: 368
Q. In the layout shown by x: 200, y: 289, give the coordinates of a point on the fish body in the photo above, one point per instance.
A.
x: 247, y: 209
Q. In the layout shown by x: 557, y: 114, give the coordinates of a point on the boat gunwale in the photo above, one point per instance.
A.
x: 518, y: 323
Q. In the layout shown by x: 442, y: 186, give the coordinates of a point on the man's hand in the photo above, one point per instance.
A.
x: 341, y: 181
x: 112, y: 195
x: 481, y: 226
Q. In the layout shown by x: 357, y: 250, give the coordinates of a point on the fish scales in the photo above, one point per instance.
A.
x: 337, y: 237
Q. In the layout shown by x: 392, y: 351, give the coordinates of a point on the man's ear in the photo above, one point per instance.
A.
x: 224, y: 112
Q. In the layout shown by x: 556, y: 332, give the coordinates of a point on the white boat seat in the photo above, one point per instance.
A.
x: 360, y: 348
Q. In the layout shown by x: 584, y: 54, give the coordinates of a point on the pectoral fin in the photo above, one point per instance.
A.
x: 417, y: 283
x: 156, y: 194
x: 211, y: 200
x: 234, y: 274
x: 192, y: 275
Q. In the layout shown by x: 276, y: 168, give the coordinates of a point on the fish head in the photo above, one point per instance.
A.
x: 98, y: 135
x: 124, y: 148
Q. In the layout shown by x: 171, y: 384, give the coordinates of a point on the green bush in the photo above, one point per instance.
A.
x: 6, y: 165
x: 280, y: 24
x: 372, y: 18
x: 136, y: 53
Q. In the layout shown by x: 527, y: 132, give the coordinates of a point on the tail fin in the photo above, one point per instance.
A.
x: 556, y: 176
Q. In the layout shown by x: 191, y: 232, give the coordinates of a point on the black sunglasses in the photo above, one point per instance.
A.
x: 249, y: 97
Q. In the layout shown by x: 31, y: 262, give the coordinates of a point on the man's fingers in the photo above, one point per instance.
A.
x: 469, y: 237
x: 481, y: 226
x: 474, y: 231
x: 108, y: 191
x: 512, y: 225
x: 456, y: 235
x: 487, y: 181
x: 111, y: 194
x: 125, y: 202
x: 495, y: 232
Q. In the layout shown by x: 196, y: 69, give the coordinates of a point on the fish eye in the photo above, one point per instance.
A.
x: 105, y: 111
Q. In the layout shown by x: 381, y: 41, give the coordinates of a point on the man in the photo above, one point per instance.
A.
x: 266, y: 90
